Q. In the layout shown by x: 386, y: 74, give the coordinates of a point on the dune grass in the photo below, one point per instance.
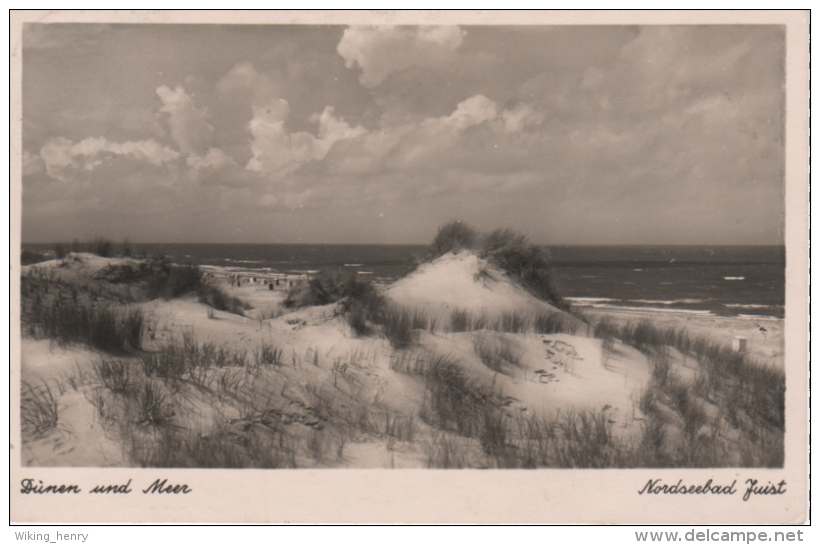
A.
x: 168, y: 281
x: 225, y: 447
x: 113, y: 374
x: 472, y: 428
x: 756, y: 389
x: 366, y: 311
x: 105, y: 327
x: 542, y: 322
x: 497, y: 354
x: 30, y: 257
x: 216, y: 297
x: 149, y: 402
x: 192, y: 404
x: 453, y: 237
x: 447, y: 451
x: 456, y: 402
x: 152, y: 405
x: 268, y: 354
x: 748, y: 396
x: 397, y: 326
x: 330, y: 286
x: 360, y: 302
x: 98, y: 245
x: 185, y: 356
x: 39, y: 413
x: 511, y: 251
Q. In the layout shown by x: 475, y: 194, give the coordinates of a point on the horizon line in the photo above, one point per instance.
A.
x: 409, y: 243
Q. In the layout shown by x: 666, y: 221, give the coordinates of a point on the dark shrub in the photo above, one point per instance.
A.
x: 215, y: 296
x: 105, y: 328
x: 523, y: 261
x: 398, y: 327
x: 183, y: 279
x: 360, y: 301
x: 60, y: 250
x: 452, y: 237
x: 509, y: 250
x: 172, y: 281
x: 330, y: 286
x: 102, y: 247
x: 29, y: 257
x: 357, y: 320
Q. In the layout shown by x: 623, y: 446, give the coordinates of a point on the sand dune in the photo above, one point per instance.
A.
x: 299, y: 388
x: 462, y: 281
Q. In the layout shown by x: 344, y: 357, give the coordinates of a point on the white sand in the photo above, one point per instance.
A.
x: 557, y: 373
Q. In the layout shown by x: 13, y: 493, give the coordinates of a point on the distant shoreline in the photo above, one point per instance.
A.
x: 724, y: 281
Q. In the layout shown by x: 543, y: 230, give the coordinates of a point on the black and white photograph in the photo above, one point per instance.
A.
x: 411, y: 245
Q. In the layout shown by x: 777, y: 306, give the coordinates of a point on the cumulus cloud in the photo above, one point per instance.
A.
x: 244, y: 79
x: 580, y: 131
x: 60, y: 154
x: 242, y: 76
x: 278, y: 152
x: 521, y: 116
x: 477, y: 134
x: 378, y: 51
x: 473, y: 111
x: 189, y: 126
x: 215, y: 159
x: 33, y: 164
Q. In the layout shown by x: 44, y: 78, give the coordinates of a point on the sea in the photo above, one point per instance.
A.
x: 746, y: 281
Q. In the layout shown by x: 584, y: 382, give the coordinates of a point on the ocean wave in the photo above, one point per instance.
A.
x: 364, y: 272
x: 664, y: 302
x: 738, y: 305
x: 242, y: 261
x: 353, y: 264
x: 653, y: 309
x: 590, y: 299
x: 734, y: 278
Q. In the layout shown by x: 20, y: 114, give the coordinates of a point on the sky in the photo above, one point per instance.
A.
x: 334, y: 134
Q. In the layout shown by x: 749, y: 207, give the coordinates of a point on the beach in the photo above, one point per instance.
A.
x: 345, y: 397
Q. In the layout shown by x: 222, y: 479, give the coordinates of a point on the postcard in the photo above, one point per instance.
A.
x: 409, y: 267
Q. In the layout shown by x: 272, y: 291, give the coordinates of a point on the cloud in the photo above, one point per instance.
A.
x: 60, y: 154
x: 473, y: 111
x: 278, y: 152
x: 242, y: 76
x: 477, y: 135
x: 189, y: 127
x: 520, y: 117
x: 215, y: 159
x: 244, y: 79
x: 582, y: 134
x: 378, y: 51
x: 33, y: 164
